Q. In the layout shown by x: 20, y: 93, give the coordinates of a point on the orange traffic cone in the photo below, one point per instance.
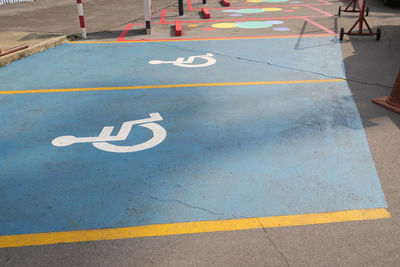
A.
x: 391, y: 102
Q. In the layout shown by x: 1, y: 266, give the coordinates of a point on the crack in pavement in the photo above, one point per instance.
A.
x: 273, y: 243
x: 237, y: 216
x: 185, y: 204
x: 282, y: 66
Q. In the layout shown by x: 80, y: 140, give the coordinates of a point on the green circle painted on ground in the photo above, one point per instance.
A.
x: 253, y: 24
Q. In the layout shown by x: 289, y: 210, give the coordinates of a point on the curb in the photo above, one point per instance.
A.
x: 4, y: 60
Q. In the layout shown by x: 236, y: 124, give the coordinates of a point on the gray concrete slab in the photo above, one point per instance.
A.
x: 61, y: 16
x: 41, y: 23
x: 36, y: 42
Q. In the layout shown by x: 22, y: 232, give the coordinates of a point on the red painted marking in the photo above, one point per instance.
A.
x: 209, y: 29
x: 124, y: 32
x: 318, y: 25
x: 206, y: 13
x: 189, y: 4
x: 82, y: 21
x: 325, y: 2
x: 230, y: 38
x: 249, y: 19
x: 163, y: 15
x: 245, y: 7
x: 321, y: 1
x: 178, y: 28
x: 252, y: 37
x: 226, y: 3
x: 319, y: 10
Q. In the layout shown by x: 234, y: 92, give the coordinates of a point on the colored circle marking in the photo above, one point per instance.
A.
x: 224, y: 25
x: 271, y: 1
x: 271, y: 9
x: 281, y: 29
x: 247, y: 24
x: 251, y: 10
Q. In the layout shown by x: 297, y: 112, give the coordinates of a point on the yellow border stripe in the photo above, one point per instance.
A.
x: 194, y: 39
x: 162, y: 86
x: 191, y: 227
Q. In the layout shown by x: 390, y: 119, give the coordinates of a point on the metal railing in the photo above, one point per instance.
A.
x: 9, y: 2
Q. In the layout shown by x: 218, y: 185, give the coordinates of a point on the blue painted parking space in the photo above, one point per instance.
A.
x: 209, y: 153
x: 70, y: 66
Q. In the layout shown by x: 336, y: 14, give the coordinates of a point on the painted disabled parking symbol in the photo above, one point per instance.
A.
x: 190, y: 62
x: 101, y: 141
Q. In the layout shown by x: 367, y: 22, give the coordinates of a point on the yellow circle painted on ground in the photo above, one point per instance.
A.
x: 223, y: 25
x: 193, y: 25
x: 254, y: 1
x: 272, y: 9
x: 295, y: 7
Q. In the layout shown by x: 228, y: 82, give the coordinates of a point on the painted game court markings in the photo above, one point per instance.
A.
x: 191, y: 227
x: 249, y: 23
x: 13, y: 92
x: 193, y: 4
x: 121, y: 39
x: 309, y: 11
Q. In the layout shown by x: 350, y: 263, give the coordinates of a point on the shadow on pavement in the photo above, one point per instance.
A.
x: 34, y: 36
x: 372, y: 70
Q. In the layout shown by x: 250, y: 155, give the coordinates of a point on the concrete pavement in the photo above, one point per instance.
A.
x: 43, y: 24
x: 37, y: 42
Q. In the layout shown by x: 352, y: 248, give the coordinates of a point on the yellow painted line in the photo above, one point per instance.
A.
x: 199, y: 39
x: 162, y: 86
x: 191, y: 227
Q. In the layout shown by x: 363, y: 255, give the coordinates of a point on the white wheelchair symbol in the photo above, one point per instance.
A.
x: 181, y: 62
x: 101, y: 141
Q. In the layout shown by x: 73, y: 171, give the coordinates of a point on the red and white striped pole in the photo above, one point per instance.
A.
x: 81, y: 18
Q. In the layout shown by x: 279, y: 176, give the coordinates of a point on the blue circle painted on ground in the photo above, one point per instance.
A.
x: 281, y: 29
x: 274, y: 22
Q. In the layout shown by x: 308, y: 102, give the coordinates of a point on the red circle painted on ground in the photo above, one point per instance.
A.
x: 209, y: 29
